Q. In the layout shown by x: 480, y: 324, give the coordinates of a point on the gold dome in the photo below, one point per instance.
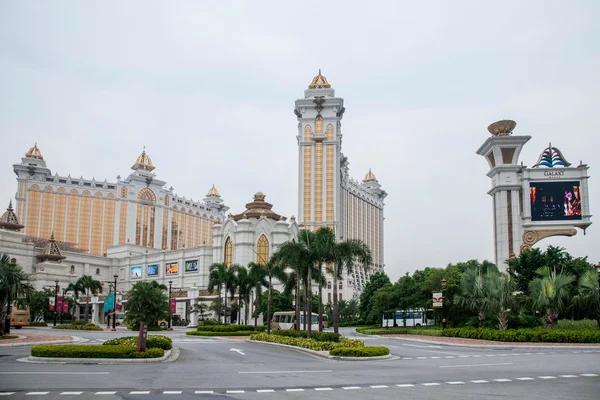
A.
x: 213, y: 192
x: 143, y: 162
x: 34, y: 152
x: 319, y: 81
x: 370, y: 176
x: 9, y: 220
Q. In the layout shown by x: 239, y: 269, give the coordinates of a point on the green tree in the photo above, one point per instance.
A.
x: 588, y: 294
x: 37, y: 300
x: 201, y: 309
x: 502, y: 297
x: 222, y: 276
x: 550, y: 294
x: 257, y: 276
x: 384, y: 300
x: 476, y: 287
x: 280, y: 301
x: 148, y: 302
x: 376, y: 281
x: 14, y: 284
x: 88, y: 285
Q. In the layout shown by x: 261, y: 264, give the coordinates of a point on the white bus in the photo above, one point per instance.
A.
x: 286, y: 320
x: 411, y: 317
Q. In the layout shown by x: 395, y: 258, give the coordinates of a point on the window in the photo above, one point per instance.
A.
x: 329, y: 285
x: 97, y: 271
x: 329, y: 297
x: 228, y: 252
x: 340, y: 297
x: 340, y: 286
x: 263, y: 250
x: 72, y: 269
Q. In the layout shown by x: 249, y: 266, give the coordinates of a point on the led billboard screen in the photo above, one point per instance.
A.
x: 555, y: 201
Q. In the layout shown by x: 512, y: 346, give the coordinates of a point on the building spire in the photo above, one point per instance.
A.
x: 9, y: 220
x: 143, y: 162
x: 319, y: 81
x: 34, y: 152
x: 51, y: 251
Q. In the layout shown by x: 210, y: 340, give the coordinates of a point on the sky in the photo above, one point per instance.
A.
x: 209, y: 88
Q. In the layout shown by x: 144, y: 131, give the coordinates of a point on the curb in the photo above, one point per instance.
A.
x: 325, y: 354
x: 170, y: 356
x: 74, y: 339
x: 592, y: 346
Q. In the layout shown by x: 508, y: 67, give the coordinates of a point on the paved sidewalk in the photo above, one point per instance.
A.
x: 35, y: 338
x: 478, y: 342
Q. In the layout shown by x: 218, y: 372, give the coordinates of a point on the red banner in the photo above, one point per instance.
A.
x: 51, y: 303
x: 173, y: 305
x: 59, y: 303
x: 65, y: 308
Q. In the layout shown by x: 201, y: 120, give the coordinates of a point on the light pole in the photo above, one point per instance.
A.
x: 443, y: 282
x: 114, y: 328
x: 170, y: 284
x: 55, y: 300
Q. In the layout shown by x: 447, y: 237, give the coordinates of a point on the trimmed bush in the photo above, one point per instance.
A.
x: 400, y: 331
x: 310, y: 344
x: 208, y: 322
x: 151, y: 328
x: 79, y: 327
x: 152, y: 342
x: 527, y: 335
x: 92, y: 351
x: 230, y: 328
x: 38, y: 324
x: 581, y: 324
x: 318, y: 336
x: 366, y: 351
x: 201, y: 333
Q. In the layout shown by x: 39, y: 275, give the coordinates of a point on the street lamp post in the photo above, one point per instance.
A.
x: 55, y: 300
x: 170, y: 284
x: 114, y: 328
x: 443, y: 282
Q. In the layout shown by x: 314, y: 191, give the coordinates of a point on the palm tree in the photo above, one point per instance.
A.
x: 257, y: 277
x: 324, y: 242
x: 550, y: 293
x: 295, y: 256
x: 476, y: 286
x: 274, y: 268
x: 14, y: 284
x: 77, y: 289
x: 217, y: 274
x: 230, y: 284
x: 90, y: 286
x: 503, y: 299
x: 245, y: 286
x: 346, y: 254
x: 588, y: 295
x: 148, y: 302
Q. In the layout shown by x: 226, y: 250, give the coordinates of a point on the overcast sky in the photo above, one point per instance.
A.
x: 209, y: 88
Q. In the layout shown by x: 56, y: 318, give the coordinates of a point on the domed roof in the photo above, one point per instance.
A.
x: 143, y: 162
x: 319, y: 81
x: 370, y: 176
x: 34, y: 152
x: 259, y: 208
x: 213, y: 192
x: 9, y: 220
x: 51, y: 251
x: 502, y: 128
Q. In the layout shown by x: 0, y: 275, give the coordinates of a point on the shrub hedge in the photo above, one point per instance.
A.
x: 230, y: 328
x: 581, y: 324
x: 79, y: 327
x: 92, y: 351
x: 310, y: 344
x: 318, y: 336
x: 527, y: 335
x: 202, y: 333
x: 366, y: 351
x: 399, y: 331
x: 151, y: 328
x: 152, y: 342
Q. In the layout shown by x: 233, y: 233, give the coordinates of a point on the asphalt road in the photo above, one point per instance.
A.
x: 224, y: 368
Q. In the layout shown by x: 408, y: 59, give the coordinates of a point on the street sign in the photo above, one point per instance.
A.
x: 438, y: 300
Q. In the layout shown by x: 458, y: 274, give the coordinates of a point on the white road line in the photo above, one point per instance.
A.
x: 588, y: 374
x: 547, y: 377
x: 568, y: 376
x: 434, y: 357
x: 472, y: 365
x: 321, y: 389
x: 421, y: 358
x: 105, y: 393
x: 444, y: 357
x: 6, y: 393
x: 203, y: 392
x: 404, y: 358
x: 265, y: 391
x: 378, y: 387
x: 235, y: 391
x: 140, y: 392
x: 71, y: 393
x: 417, y: 345
x: 284, y: 372
x: 406, y: 385
x: 36, y: 393
x: 502, y: 380
x: 479, y: 381
x: 463, y: 356
x: 455, y: 383
x: 540, y: 353
x: 526, y: 378
x: 477, y: 355
x: 172, y: 392
x: 490, y: 355
x: 294, y: 390
x: 351, y: 388
x: 430, y: 384
x: 52, y: 373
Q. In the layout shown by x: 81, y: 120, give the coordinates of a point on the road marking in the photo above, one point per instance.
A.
x: 547, y: 377
x: 525, y: 379
x: 6, y: 393
x: 568, y: 376
x: 406, y: 358
x: 421, y: 358
x: 430, y: 384
x: 479, y: 381
x: 502, y: 380
x: 294, y: 390
x: 540, y: 353
x: 473, y: 365
x: 434, y: 357
x: 265, y: 391
x: 53, y: 373
x: 476, y: 355
x: 325, y: 388
x: 36, y: 393
x: 235, y: 391
x: 203, y: 392
x: 238, y: 351
x: 416, y: 345
x: 455, y: 383
x: 490, y: 355
x: 351, y: 388
x: 588, y: 374
x: 406, y: 385
x: 172, y: 392
x: 140, y: 392
x: 105, y: 393
x: 71, y: 393
x: 463, y: 356
x: 449, y: 357
x: 283, y: 372
x: 378, y: 387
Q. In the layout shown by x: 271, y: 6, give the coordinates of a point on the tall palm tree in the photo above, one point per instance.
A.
x: 503, y: 299
x: 148, y: 302
x: 245, y: 286
x: 346, y: 255
x: 588, y: 295
x: 91, y: 287
x: 77, y: 289
x: 14, y: 284
x: 257, y: 277
x: 550, y: 293
x: 324, y: 243
x: 274, y: 268
x: 476, y: 287
x: 217, y: 275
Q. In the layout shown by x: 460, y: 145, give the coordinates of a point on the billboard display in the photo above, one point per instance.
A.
x: 438, y: 300
x: 136, y: 272
x: 555, y: 201
x: 172, y: 268
x: 152, y: 270
x: 191, y: 266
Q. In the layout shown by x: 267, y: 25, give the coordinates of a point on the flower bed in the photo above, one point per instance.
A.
x: 318, y: 336
x: 310, y: 344
x: 366, y: 351
x: 240, y: 333
x: 152, y: 342
x: 87, y: 327
x: 230, y: 328
x: 527, y: 335
x: 92, y: 351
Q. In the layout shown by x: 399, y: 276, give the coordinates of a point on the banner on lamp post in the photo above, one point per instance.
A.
x: 173, y: 305
x: 438, y: 300
x: 59, y: 303
x: 109, y: 302
x: 65, y: 305
x: 119, y: 303
x: 51, y: 303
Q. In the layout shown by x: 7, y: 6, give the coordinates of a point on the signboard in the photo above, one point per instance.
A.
x: 59, y: 303
x: 65, y: 306
x: 136, y: 272
x: 119, y: 303
x: 173, y: 305
x: 191, y: 266
x: 152, y: 270
x: 109, y: 302
x: 555, y: 201
x: 438, y: 300
x: 51, y: 303
x: 172, y: 268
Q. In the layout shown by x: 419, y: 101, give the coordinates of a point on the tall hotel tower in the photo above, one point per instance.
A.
x: 327, y: 196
